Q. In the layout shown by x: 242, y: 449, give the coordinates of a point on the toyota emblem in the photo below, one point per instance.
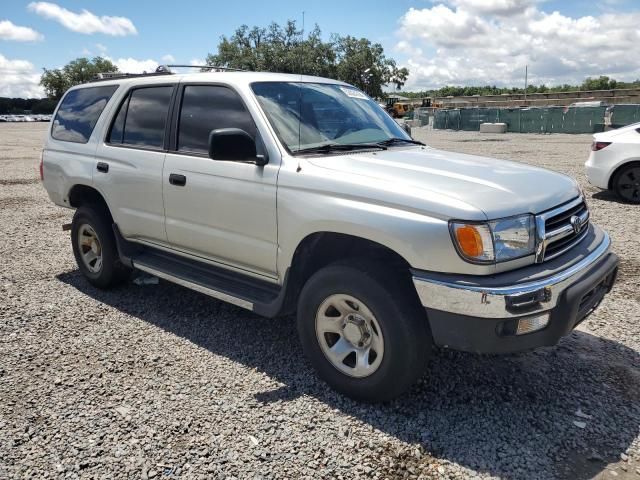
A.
x: 576, y: 224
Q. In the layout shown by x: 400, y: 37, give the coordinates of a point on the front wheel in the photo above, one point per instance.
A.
x: 363, y: 331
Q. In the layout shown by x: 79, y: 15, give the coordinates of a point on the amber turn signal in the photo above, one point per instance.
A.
x: 469, y: 240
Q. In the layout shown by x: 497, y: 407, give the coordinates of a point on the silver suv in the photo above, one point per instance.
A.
x: 289, y: 194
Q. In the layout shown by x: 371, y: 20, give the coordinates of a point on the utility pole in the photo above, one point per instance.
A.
x: 526, y: 72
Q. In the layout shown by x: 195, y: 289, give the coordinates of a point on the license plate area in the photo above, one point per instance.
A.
x: 590, y: 300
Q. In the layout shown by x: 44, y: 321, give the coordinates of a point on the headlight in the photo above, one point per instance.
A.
x: 495, y: 241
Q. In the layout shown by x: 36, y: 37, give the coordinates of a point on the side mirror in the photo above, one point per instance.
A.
x: 234, y: 144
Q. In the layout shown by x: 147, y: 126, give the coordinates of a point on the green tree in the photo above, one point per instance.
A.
x: 601, y: 83
x: 275, y: 49
x: 287, y: 49
x: 362, y: 63
x: 80, y: 70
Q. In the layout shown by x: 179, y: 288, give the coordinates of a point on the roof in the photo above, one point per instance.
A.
x: 223, y: 77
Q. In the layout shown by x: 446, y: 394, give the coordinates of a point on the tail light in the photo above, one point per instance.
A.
x: 595, y: 146
x: 42, y: 166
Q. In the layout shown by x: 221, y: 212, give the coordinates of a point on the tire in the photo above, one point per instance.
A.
x: 91, y: 231
x: 626, y: 183
x: 386, y: 318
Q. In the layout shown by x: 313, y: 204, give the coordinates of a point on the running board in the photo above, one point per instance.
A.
x: 242, y: 290
x: 194, y: 286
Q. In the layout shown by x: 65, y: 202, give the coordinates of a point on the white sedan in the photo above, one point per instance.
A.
x: 614, y: 163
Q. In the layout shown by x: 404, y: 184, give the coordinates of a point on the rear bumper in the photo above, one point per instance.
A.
x: 598, y: 171
x: 470, y: 316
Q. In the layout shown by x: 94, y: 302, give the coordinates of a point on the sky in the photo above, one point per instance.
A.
x: 441, y: 42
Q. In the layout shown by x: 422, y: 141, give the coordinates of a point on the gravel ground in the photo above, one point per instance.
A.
x: 156, y: 381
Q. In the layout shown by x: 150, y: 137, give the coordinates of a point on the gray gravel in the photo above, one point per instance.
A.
x: 155, y: 381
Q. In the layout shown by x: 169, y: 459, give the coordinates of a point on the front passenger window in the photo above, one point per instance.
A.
x: 209, y: 107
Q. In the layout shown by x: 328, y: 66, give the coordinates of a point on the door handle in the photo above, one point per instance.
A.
x: 177, y: 179
x: 102, y: 167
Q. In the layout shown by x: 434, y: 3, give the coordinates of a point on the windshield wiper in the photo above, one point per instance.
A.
x: 341, y: 147
x: 394, y: 140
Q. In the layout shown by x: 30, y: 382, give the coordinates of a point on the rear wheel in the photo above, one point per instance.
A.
x: 94, y: 247
x: 626, y: 183
x: 363, y: 331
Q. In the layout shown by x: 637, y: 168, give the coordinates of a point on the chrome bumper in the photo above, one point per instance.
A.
x: 503, y: 301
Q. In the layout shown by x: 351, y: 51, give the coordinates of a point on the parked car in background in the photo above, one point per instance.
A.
x: 614, y: 162
x: 25, y: 118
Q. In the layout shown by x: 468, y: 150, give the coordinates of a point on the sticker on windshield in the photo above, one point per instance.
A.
x: 354, y: 93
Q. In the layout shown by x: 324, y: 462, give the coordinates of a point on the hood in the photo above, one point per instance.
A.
x: 499, y: 188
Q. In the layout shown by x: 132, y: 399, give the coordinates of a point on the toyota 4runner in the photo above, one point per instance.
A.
x: 290, y: 194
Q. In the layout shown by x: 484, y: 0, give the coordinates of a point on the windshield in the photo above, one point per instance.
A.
x: 308, y: 115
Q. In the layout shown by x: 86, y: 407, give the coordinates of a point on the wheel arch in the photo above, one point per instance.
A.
x: 322, y: 248
x: 80, y: 195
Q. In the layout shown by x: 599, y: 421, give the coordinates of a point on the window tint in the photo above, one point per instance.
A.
x: 79, y: 112
x: 117, y: 129
x: 142, y: 118
x: 206, y: 108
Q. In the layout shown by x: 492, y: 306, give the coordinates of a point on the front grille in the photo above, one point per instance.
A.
x: 564, y: 228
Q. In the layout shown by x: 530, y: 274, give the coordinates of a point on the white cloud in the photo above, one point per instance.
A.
x: 18, y: 78
x: 494, y: 7
x: 132, y: 65
x: 471, y: 42
x: 85, y: 21
x: 168, y: 58
x: 406, y: 47
x: 10, y: 31
x: 101, y: 48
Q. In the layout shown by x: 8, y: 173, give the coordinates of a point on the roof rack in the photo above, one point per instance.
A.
x: 101, y: 77
x: 217, y: 68
x: 161, y: 70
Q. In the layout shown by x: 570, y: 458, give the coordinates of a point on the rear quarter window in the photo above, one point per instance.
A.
x: 79, y: 112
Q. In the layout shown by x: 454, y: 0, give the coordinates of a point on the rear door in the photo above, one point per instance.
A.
x: 129, y: 162
x: 224, y: 211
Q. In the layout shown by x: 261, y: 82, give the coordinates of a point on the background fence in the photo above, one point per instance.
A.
x: 538, y: 120
x: 624, y: 115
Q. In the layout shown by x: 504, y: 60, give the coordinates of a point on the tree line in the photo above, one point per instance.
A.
x: 40, y: 106
x: 601, y: 83
x: 276, y: 48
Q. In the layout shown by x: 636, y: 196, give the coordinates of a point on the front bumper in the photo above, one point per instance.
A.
x: 481, y: 314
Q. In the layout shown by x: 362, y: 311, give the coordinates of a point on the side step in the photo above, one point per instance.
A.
x: 229, y: 286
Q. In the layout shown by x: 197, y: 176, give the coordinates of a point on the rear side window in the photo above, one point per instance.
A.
x: 209, y: 107
x: 79, y: 112
x: 142, y: 118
